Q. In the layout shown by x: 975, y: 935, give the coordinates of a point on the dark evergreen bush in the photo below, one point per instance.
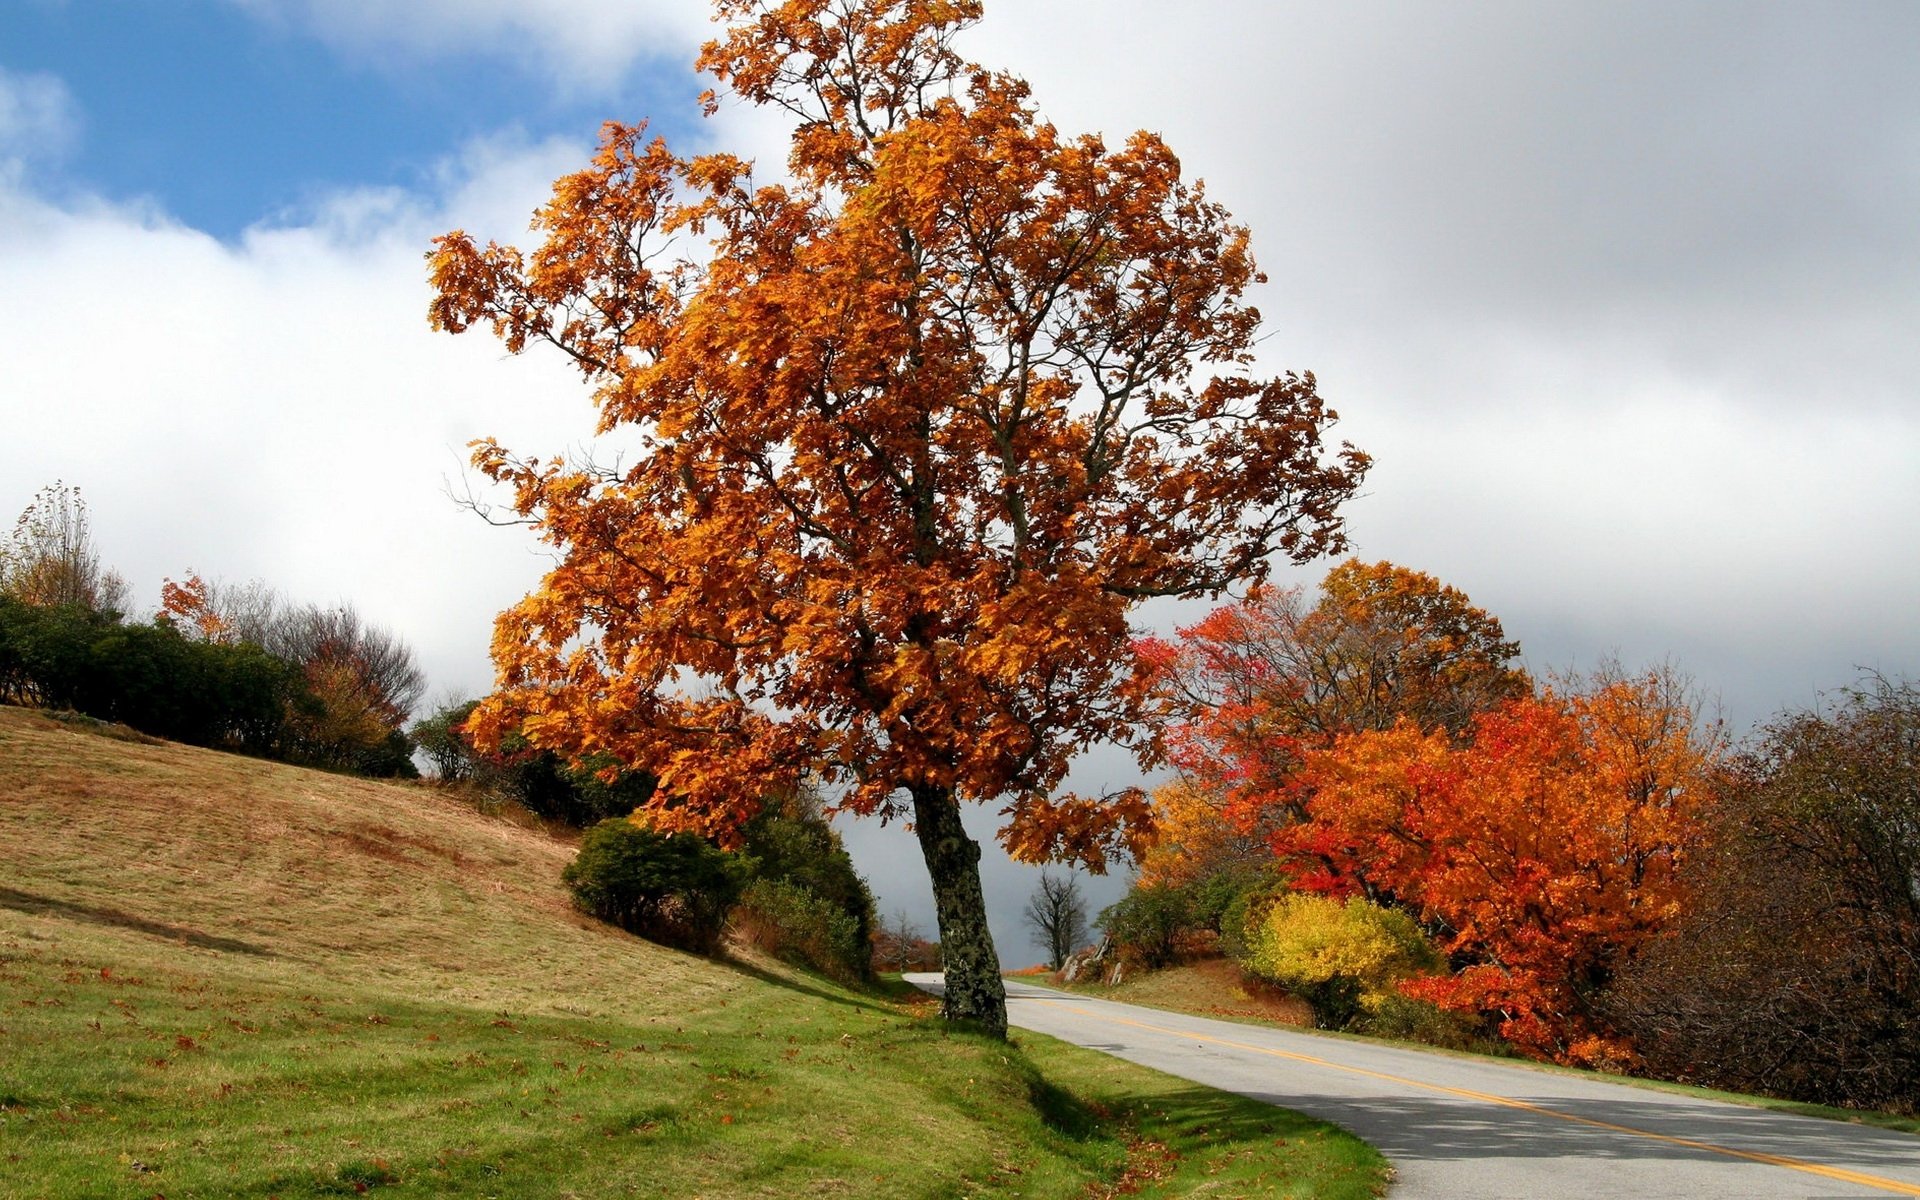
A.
x: 145, y: 676
x: 1149, y: 924
x: 675, y: 888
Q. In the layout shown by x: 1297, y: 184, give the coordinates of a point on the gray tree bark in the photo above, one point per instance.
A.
x: 975, y: 993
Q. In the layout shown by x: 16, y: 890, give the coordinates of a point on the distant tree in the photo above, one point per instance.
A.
x: 1263, y: 681
x: 573, y: 793
x: 193, y: 608
x: 915, y: 432
x: 362, y: 681
x: 901, y: 945
x: 1197, y: 838
x: 450, y: 757
x: 49, y: 559
x: 1057, y: 915
x: 1795, y: 970
x: 377, y: 664
x: 1259, y: 684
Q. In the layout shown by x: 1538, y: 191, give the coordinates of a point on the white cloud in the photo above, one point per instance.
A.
x: 1619, y: 296
x: 582, y: 45
x: 278, y: 408
x: 38, y: 117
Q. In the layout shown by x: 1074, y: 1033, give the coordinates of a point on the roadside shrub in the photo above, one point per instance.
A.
x: 1407, y: 1019
x: 791, y: 843
x: 669, y: 888
x: 1342, y: 958
x: 1150, y: 925
x: 797, y: 925
x: 1795, y: 969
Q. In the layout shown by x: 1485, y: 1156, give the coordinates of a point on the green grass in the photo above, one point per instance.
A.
x: 222, y: 977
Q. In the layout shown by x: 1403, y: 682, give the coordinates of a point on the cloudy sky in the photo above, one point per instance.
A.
x: 1623, y: 297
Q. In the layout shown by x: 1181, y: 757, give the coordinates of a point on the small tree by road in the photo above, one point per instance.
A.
x: 1058, y: 917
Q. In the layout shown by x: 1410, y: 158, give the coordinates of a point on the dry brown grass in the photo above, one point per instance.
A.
x: 1209, y: 987
x: 315, y: 874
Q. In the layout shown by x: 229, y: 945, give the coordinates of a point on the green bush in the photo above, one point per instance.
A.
x: 1342, y: 958
x: 797, y: 925
x: 146, y: 676
x: 1149, y: 925
x: 437, y: 736
x: 791, y: 842
x: 541, y: 781
x: 669, y: 888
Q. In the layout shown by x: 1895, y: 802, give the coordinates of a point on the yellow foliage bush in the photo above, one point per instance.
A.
x: 1342, y: 957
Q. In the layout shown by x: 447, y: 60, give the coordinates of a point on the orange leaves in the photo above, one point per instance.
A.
x: 1078, y: 830
x: 190, y: 607
x: 1381, y: 743
x: 1260, y: 682
x: 914, y: 432
x: 1194, y: 838
x: 853, y: 66
x: 1548, y: 846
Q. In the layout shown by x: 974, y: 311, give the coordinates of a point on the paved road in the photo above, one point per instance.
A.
x: 1457, y: 1128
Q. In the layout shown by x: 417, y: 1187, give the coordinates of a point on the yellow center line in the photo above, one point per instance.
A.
x: 1774, y: 1160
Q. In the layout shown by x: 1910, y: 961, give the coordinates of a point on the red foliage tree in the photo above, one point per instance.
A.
x: 1262, y: 682
x: 1546, y: 850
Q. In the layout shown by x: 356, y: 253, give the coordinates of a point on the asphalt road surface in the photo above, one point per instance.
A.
x: 1458, y: 1127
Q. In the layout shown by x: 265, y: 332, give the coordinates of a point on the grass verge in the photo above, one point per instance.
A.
x: 223, y: 977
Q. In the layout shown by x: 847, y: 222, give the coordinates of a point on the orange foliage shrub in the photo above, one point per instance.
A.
x: 1546, y: 850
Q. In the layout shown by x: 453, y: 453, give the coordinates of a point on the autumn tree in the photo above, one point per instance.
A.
x: 1796, y: 968
x: 375, y: 663
x: 50, y: 559
x: 361, y: 680
x: 1261, y: 682
x: 908, y: 435
x: 1196, y: 838
x: 1546, y: 850
x: 1057, y: 916
x: 190, y: 608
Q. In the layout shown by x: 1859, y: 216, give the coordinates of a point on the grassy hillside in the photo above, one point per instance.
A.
x: 225, y: 977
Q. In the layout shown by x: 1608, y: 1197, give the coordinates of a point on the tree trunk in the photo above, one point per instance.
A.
x: 974, y: 991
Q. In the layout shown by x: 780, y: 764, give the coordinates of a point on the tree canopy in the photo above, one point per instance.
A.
x: 911, y: 431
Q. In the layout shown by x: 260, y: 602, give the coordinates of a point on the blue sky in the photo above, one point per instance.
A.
x: 1620, y: 294
x: 226, y: 119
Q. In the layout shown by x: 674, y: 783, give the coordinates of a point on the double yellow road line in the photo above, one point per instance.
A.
x: 1841, y: 1174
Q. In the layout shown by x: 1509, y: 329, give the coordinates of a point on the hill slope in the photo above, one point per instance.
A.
x: 226, y: 977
